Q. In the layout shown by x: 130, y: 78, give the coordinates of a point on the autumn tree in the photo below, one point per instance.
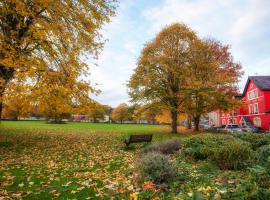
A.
x: 17, y: 101
x: 121, y: 113
x: 38, y: 37
x: 97, y: 112
x: 159, y: 76
x: 212, y: 78
x: 146, y: 112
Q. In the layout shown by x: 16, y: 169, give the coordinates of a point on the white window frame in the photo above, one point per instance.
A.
x: 252, y: 94
x: 250, y: 109
x: 256, y: 111
x: 257, y: 121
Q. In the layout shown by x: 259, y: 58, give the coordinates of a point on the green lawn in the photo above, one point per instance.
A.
x: 89, y: 161
x: 73, y: 160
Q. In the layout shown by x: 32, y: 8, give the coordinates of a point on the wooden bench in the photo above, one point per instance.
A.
x: 138, y: 138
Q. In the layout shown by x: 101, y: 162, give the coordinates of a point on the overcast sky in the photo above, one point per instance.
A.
x: 243, y: 24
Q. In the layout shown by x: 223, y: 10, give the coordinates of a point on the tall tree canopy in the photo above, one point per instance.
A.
x: 212, y: 79
x: 184, y: 73
x: 158, y: 77
x: 40, y: 38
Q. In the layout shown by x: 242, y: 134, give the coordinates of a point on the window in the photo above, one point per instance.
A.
x: 256, y: 108
x: 224, y: 121
x: 250, y: 109
x: 249, y: 95
x: 255, y: 94
x: 257, y: 121
x: 252, y: 94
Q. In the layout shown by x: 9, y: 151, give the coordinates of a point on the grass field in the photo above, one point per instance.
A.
x: 89, y: 161
x: 69, y: 161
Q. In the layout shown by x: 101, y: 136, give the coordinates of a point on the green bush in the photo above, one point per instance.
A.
x: 263, y: 155
x: 156, y: 167
x: 225, y: 150
x: 232, y: 155
x: 260, y: 194
x: 154, y: 147
x: 261, y: 175
x: 165, y: 147
x: 201, y: 146
x: 256, y: 140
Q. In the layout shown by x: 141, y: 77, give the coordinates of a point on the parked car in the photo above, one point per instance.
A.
x: 233, y: 128
x: 221, y: 128
x: 205, y: 126
x: 230, y: 128
x: 252, y: 129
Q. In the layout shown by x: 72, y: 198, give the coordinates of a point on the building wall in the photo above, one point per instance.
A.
x: 256, y: 104
x: 214, y: 118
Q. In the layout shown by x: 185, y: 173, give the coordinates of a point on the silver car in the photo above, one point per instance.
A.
x: 232, y: 128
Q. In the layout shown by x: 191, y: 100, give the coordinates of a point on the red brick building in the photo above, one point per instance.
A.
x: 256, y: 108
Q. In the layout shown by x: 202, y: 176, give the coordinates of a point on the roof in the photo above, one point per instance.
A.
x: 262, y: 82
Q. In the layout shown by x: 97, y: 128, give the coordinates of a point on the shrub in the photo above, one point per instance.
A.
x: 165, y: 147
x: 260, y: 194
x: 156, y: 167
x: 170, y: 146
x: 256, y: 140
x: 154, y: 147
x: 263, y: 155
x: 225, y: 150
x: 261, y: 175
x: 201, y: 146
x: 232, y: 155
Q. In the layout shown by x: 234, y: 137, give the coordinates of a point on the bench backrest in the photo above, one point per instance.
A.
x: 140, y: 138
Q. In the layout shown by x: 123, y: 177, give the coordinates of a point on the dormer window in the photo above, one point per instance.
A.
x: 253, y: 94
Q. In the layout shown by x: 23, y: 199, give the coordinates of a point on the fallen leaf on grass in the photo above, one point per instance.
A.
x: 148, y: 185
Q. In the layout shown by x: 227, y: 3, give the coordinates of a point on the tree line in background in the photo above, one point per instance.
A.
x: 22, y: 108
x: 179, y: 72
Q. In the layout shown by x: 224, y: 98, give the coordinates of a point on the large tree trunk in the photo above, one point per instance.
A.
x: 6, y: 74
x: 1, y: 104
x: 174, y: 121
x: 2, y: 90
x: 196, y: 123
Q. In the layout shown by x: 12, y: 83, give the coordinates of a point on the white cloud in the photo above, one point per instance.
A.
x: 244, y: 24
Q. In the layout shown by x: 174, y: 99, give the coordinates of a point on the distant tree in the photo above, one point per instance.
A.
x: 212, y: 78
x: 97, y: 112
x: 121, y: 113
x: 159, y: 76
x: 40, y: 36
x: 146, y: 112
